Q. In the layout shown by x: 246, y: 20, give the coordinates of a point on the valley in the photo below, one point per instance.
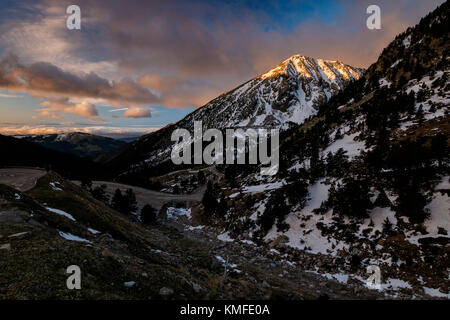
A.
x: 173, y: 243
x: 360, y: 187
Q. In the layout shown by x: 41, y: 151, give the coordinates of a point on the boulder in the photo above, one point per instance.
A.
x: 164, y: 291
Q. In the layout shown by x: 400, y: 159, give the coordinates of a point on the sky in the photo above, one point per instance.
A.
x: 136, y: 66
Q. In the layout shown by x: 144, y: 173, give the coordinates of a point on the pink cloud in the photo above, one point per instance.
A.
x: 137, y: 113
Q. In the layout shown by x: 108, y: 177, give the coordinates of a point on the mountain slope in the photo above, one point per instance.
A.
x: 366, y: 181
x: 289, y: 93
x: 121, y: 258
x: 80, y: 144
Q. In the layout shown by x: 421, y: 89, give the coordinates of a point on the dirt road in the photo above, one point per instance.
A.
x: 22, y: 179
x: 25, y: 179
x: 154, y: 198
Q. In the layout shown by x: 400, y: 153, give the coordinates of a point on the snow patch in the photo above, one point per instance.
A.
x: 62, y: 213
x: 71, y: 237
x: 175, y: 213
x: 225, y: 237
x: 435, y: 293
x: 93, y: 231
x: 55, y: 185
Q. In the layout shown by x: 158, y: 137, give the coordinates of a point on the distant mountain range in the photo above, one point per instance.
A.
x: 21, y: 152
x: 77, y: 143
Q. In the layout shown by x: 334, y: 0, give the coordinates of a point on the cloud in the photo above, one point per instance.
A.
x: 137, y: 113
x: 84, y: 108
x: 43, y: 79
x: 184, y: 53
x: 175, y: 92
x: 188, y: 53
x: 9, y: 96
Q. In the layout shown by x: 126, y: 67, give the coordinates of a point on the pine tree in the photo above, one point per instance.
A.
x: 209, y: 200
x: 99, y: 193
x: 387, y: 225
x: 117, y: 200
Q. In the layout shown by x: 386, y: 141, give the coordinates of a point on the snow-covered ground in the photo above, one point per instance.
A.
x: 349, y: 144
x: 439, y: 208
x: 260, y: 188
x: 303, y: 232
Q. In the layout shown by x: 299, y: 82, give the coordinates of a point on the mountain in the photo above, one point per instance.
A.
x: 20, y: 152
x: 362, y: 192
x: 287, y: 94
x: 365, y: 182
x: 290, y: 92
x: 77, y: 143
x: 128, y: 139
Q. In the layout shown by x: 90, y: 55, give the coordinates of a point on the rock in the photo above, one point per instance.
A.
x: 164, y: 291
x: 278, y: 241
x: 19, y: 235
x: 6, y: 246
x: 196, y: 287
x: 129, y: 284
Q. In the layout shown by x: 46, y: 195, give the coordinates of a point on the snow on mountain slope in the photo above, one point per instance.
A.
x: 290, y: 92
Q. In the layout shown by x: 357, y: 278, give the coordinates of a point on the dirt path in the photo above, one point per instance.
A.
x: 154, y: 198
x: 22, y: 179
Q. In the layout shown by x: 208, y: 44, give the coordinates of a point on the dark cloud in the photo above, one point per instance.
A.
x: 182, y: 53
x: 43, y: 79
x: 198, y: 49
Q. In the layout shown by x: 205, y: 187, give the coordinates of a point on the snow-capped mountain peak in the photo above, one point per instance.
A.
x: 299, y: 65
x: 290, y: 92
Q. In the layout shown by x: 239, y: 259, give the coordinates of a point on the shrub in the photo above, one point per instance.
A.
x: 209, y: 199
x: 99, y: 193
x: 124, y: 203
x: 148, y: 214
